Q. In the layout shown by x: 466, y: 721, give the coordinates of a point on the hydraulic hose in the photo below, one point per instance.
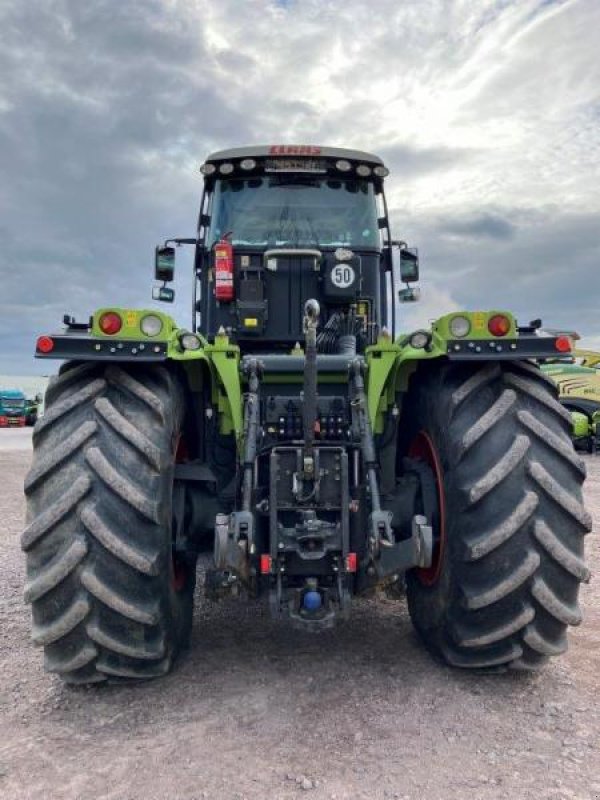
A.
x: 309, y: 405
x: 251, y: 429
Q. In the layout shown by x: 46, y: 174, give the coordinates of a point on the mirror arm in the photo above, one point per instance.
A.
x: 180, y: 241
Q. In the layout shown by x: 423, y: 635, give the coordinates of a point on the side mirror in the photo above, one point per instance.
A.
x: 409, y: 266
x: 164, y: 263
x: 163, y: 293
x: 409, y: 295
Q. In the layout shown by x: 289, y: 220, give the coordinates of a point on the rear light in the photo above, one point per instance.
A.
x: 224, y: 271
x: 208, y: 169
x: 265, y: 564
x: 499, y: 325
x: 110, y: 323
x: 381, y: 172
x: 45, y: 344
x: 563, y: 344
x: 351, y: 562
x: 248, y: 164
x: 343, y: 165
x: 226, y: 169
x: 363, y: 170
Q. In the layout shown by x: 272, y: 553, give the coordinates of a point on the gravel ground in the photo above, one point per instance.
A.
x: 255, y: 710
x: 15, y: 439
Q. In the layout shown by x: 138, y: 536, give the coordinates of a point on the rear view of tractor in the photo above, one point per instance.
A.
x: 300, y: 437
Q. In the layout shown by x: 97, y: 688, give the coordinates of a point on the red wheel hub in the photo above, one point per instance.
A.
x: 423, y: 449
x: 179, y: 578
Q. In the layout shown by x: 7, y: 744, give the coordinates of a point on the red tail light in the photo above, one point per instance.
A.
x: 563, y: 344
x: 110, y: 323
x: 45, y: 344
x: 499, y: 325
x: 351, y: 562
x: 224, y: 271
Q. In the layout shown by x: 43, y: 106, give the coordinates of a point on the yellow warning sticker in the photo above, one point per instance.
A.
x: 479, y: 321
x: 250, y: 322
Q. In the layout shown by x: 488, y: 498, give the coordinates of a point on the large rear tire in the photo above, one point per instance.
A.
x: 108, y: 600
x: 508, y: 560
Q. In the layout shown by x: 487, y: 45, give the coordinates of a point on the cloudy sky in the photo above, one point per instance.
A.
x: 486, y: 111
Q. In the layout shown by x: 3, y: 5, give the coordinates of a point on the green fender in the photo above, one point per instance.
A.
x: 390, y: 364
x: 223, y: 361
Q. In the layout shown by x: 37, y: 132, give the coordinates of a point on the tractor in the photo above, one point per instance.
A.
x: 578, y: 381
x: 301, y: 442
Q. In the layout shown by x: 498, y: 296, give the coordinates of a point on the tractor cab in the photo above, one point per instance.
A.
x: 280, y: 225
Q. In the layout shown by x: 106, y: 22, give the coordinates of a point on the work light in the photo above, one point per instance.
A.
x: 151, y: 325
x: 460, y: 327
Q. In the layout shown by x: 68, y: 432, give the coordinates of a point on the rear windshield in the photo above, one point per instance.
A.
x: 12, y: 402
x: 296, y: 211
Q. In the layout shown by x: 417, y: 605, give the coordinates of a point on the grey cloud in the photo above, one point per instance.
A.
x: 405, y: 161
x: 95, y: 148
x: 478, y: 226
x: 548, y: 266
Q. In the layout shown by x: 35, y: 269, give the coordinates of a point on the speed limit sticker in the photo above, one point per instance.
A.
x: 342, y: 276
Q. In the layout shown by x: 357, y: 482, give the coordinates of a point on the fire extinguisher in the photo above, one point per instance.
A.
x: 224, y: 269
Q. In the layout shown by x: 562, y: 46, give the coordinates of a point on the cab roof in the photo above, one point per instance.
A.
x: 278, y: 150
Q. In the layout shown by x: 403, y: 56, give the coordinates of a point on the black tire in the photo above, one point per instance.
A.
x: 108, y: 602
x: 509, y: 572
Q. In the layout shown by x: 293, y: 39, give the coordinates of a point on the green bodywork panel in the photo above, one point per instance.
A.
x: 227, y: 390
x: 579, y: 380
x: 132, y: 318
x: 479, y: 325
x: 581, y: 425
x: 222, y: 359
x: 575, y: 381
x: 389, y: 363
x: 589, y: 358
x: 392, y: 363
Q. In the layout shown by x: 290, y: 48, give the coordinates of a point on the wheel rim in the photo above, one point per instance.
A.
x: 423, y: 449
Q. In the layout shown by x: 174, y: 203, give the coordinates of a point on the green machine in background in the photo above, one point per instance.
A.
x: 578, y: 380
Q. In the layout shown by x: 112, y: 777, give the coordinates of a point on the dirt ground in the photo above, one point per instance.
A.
x: 258, y: 711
